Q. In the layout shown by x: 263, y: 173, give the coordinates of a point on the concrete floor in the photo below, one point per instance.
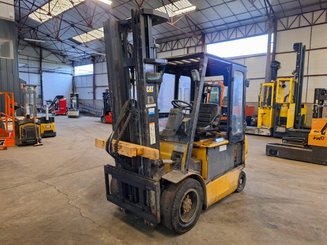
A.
x: 54, y: 194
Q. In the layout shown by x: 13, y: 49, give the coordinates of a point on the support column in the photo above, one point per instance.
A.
x: 269, y: 53
x: 41, y: 75
x: 94, y: 82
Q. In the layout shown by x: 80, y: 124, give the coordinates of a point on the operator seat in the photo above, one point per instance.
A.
x: 208, y: 120
x: 207, y: 114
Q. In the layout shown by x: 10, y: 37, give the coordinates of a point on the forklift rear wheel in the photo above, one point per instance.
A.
x: 241, y: 182
x: 181, y: 205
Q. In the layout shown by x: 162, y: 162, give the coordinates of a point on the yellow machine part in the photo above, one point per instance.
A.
x: 222, y: 186
x: 281, y: 90
x: 199, y: 152
x: 47, y: 127
x: 318, y: 133
x: 265, y: 117
x: 304, y: 111
x: 290, y: 115
x: 29, y: 124
x: 166, y: 150
x: 246, y: 148
x: 265, y: 110
x: 218, y: 188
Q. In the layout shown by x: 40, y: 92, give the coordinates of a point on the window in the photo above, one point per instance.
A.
x: 237, y: 107
x: 83, y: 70
x: 166, y: 93
x: 240, y: 47
x: 6, y: 49
x: 184, y: 91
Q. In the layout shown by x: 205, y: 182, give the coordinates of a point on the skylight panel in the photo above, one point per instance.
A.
x: 52, y: 9
x: 90, y: 36
x: 177, y: 8
x: 56, y: 7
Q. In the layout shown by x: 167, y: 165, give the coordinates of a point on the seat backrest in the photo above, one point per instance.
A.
x: 207, y: 113
x: 175, y: 119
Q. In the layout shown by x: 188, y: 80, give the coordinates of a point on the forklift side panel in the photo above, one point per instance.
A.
x: 223, y: 186
x: 219, y: 161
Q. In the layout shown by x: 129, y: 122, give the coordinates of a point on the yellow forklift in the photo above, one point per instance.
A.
x: 312, y: 146
x: 169, y: 177
x: 266, y: 102
x: 280, y: 107
x: 47, y: 124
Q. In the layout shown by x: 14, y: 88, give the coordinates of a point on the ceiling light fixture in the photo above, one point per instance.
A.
x: 89, y: 36
x: 106, y: 1
x: 34, y: 40
x: 177, y: 8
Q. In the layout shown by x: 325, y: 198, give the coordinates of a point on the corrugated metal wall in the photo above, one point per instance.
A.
x: 9, y: 80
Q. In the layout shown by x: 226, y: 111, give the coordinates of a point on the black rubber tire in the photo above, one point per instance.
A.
x: 241, y: 182
x: 171, y: 205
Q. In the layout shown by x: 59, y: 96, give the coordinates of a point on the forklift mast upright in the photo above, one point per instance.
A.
x: 134, y: 82
x: 300, y: 49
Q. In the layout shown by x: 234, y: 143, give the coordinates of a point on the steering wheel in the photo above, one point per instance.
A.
x: 182, y: 104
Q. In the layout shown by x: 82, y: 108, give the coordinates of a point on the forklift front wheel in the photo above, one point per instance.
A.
x: 241, y: 182
x: 181, y: 205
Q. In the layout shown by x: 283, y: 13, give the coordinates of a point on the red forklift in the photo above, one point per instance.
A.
x: 58, y: 106
x: 106, y: 113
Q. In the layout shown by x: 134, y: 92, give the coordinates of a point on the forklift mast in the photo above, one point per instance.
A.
x: 74, y: 101
x: 300, y: 49
x: 106, y: 102
x: 134, y: 82
x: 30, y: 101
x: 319, y: 102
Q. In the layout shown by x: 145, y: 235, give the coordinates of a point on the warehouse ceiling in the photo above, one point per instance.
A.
x: 73, y: 28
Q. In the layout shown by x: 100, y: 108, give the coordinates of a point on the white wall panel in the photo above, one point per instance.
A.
x: 285, y: 39
x: 239, y: 61
x: 318, y: 61
x: 30, y: 78
x: 256, y: 66
x: 100, y: 68
x: 319, y: 36
x: 287, y: 64
x: 253, y: 90
x: 56, y: 84
x: 99, y: 92
x: 85, y: 93
x: 101, y: 80
x: 84, y: 81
